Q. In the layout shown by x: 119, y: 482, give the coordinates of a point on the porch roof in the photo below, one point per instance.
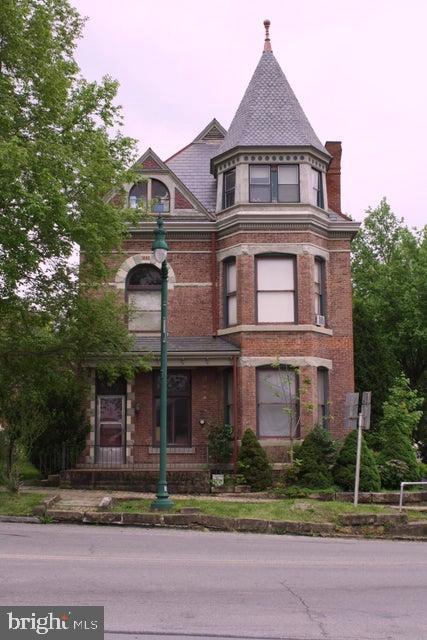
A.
x: 203, y: 349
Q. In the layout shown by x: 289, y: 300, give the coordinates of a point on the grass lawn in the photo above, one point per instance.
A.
x: 18, y: 504
x: 295, y: 510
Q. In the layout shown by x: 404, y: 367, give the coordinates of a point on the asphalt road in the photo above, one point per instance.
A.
x: 185, y: 585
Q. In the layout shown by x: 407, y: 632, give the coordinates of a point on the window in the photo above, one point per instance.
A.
x: 229, y: 188
x: 143, y: 293
x: 150, y: 190
x: 275, y: 276
x: 260, y: 183
x: 160, y: 194
x: 179, y: 408
x: 319, y: 287
x: 138, y: 195
x: 322, y: 397
x: 277, y: 402
x: 228, y: 397
x: 230, y: 292
x: 273, y: 183
x: 317, y: 183
x: 288, y: 183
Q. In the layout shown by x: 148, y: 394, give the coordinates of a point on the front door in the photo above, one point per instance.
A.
x: 111, y: 429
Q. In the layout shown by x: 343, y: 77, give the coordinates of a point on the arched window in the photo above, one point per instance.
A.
x: 143, y: 293
x: 160, y: 194
x: 138, y: 194
x: 151, y: 190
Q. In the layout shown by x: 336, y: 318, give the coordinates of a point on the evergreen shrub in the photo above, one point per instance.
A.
x: 254, y: 465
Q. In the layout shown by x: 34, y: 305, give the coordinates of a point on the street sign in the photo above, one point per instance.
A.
x: 366, y: 409
x: 351, y: 410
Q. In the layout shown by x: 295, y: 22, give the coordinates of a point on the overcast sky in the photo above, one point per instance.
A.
x: 358, y: 69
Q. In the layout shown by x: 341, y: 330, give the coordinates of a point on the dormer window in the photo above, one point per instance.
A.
x: 160, y: 194
x: 317, y: 183
x: 138, y: 195
x: 229, y: 188
x: 274, y: 183
x: 150, y: 190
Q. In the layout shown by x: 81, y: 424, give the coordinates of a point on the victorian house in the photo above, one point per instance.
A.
x: 259, y: 284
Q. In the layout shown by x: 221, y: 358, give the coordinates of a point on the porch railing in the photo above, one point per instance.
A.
x: 130, y: 457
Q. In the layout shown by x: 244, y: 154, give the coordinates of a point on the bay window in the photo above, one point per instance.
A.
x: 277, y: 404
x: 319, y: 287
x: 274, y: 183
x: 317, y: 184
x: 322, y: 397
x: 275, y: 296
x: 230, y: 292
x: 229, y: 188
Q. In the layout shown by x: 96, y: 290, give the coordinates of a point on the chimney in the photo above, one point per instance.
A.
x: 333, y: 176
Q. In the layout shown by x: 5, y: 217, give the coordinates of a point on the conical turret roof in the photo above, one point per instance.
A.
x: 269, y: 113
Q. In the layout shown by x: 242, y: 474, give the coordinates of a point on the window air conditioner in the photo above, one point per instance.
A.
x: 320, y: 321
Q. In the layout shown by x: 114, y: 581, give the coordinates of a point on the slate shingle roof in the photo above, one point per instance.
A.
x: 269, y: 113
x: 192, y: 166
x: 202, y: 344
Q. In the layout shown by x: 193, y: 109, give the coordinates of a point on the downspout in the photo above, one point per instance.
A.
x: 214, y: 278
x: 235, y: 419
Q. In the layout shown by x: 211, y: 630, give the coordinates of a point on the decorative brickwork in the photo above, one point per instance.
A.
x: 181, y: 201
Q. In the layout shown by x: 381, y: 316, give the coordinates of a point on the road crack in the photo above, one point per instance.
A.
x: 311, y: 616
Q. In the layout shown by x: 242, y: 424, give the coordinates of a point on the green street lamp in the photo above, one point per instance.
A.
x: 160, y: 251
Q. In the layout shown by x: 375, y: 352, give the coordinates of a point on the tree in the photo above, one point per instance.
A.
x: 253, y: 463
x: 345, y: 467
x: 389, y: 270
x: 61, y: 152
x: 401, y: 415
x: 315, y: 459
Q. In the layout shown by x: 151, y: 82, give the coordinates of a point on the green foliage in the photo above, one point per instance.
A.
x: 345, y: 466
x: 401, y: 415
x: 65, y: 429
x: 254, y: 465
x: 389, y: 270
x: 61, y: 152
x: 220, y: 443
x: 316, y: 457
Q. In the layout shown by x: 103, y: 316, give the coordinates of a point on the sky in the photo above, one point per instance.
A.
x: 358, y: 69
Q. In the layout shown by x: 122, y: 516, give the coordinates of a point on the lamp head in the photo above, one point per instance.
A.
x: 159, y: 246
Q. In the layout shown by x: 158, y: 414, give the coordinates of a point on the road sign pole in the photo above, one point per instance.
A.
x: 358, y: 454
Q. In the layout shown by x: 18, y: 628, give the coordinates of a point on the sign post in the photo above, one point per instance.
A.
x: 363, y: 422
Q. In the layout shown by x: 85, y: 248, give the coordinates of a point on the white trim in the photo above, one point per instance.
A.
x: 279, y: 328
x: 253, y: 249
x: 295, y: 361
x: 133, y: 261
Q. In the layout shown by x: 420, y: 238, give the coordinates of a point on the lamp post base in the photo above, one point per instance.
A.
x: 162, y: 501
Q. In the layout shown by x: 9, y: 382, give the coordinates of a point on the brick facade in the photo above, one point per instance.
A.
x: 201, y: 234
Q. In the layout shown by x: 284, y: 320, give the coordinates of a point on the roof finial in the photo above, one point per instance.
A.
x: 267, y: 44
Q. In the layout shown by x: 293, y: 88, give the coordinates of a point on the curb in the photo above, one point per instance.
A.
x: 370, y: 529
x: 25, y: 519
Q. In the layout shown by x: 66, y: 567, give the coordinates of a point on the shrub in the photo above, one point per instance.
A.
x: 345, y: 466
x: 397, y: 457
x: 254, y: 465
x: 66, y: 428
x: 220, y: 443
x: 315, y: 458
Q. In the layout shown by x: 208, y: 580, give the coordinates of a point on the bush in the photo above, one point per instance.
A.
x: 397, y: 457
x: 254, y: 464
x: 220, y: 443
x: 345, y: 466
x: 315, y: 458
x: 67, y: 428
